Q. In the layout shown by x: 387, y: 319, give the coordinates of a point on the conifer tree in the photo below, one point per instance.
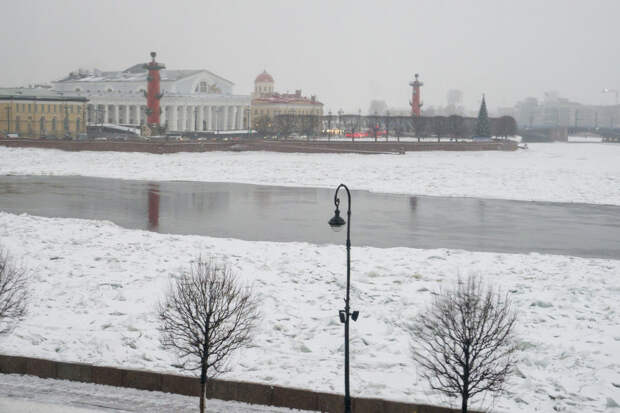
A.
x: 482, y: 125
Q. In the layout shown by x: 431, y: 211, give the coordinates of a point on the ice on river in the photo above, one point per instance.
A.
x: 562, y: 172
x: 95, y: 287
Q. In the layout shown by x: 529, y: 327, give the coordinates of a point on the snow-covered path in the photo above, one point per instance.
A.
x: 95, y: 287
x: 561, y: 172
x: 26, y: 394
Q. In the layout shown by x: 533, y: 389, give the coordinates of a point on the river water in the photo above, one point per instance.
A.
x: 272, y: 213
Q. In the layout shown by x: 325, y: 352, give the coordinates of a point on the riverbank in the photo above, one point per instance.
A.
x: 243, y: 145
x: 555, y: 172
x: 95, y: 287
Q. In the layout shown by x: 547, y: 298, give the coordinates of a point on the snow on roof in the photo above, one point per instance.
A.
x: 286, y: 98
x: 135, y: 73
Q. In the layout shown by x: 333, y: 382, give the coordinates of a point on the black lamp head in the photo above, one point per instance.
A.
x: 336, y: 222
x: 342, y: 316
x: 354, y: 315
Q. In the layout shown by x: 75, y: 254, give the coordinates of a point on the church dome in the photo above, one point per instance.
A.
x: 264, y: 77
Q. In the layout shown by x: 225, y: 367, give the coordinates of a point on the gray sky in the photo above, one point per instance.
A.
x: 346, y: 52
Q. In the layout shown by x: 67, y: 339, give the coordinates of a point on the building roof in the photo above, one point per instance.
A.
x: 286, y: 98
x: 23, y: 93
x: 264, y: 77
x: 135, y: 73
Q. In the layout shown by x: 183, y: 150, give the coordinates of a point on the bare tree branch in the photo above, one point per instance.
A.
x: 13, y: 292
x: 205, y: 317
x: 464, y: 342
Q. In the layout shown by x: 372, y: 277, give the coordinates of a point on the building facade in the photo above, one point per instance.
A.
x: 192, y: 101
x: 554, y: 111
x: 267, y: 104
x: 41, y: 113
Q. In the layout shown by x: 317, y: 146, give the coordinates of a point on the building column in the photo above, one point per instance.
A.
x: 183, y: 117
x: 225, y: 127
x: 162, y: 116
x: 209, y: 117
x: 127, y: 117
x: 174, y: 118
x: 201, y: 111
x: 105, y: 113
x: 192, y: 118
x: 137, y: 110
x: 115, y: 115
x: 234, y: 117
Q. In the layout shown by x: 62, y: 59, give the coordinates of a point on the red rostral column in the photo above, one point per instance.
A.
x: 415, y: 97
x: 152, y: 91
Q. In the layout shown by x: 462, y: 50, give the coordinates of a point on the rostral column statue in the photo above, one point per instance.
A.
x: 153, y: 95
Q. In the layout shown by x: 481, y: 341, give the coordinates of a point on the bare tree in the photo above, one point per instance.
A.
x: 439, y: 126
x: 309, y: 125
x: 464, y: 342
x: 13, y: 292
x: 456, y: 127
x: 505, y: 126
x: 205, y: 317
x: 419, y: 124
x: 285, y: 124
x: 263, y: 125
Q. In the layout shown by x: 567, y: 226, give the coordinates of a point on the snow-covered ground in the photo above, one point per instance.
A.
x: 27, y: 394
x: 95, y: 286
x: 561, y: 172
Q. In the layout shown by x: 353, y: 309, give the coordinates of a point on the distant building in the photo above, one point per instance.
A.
x: 266, y: 103
x: 41, y: 112
x: 554, y: 111
x: 193, y: 100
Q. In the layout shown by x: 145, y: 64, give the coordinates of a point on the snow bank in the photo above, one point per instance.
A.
x: 561, y: 172
x: 95, y: 287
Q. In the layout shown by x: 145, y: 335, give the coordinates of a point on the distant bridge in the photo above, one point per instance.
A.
x: 561, y: 133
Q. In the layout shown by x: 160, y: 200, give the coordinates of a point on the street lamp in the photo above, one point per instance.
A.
x: 337, y: 222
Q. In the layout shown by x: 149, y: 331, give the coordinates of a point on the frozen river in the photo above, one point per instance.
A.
x: 272, y: 213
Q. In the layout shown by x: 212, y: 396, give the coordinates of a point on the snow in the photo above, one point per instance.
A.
x: 561, y: 172
x: 95, y: 287
x: 26, y: 394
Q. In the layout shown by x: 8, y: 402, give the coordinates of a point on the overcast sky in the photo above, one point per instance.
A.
x: 346, y: 52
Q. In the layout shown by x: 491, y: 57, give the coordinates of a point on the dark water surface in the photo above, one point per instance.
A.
x: 271, y: 213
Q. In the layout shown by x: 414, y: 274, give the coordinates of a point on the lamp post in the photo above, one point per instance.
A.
x: 337, y: 222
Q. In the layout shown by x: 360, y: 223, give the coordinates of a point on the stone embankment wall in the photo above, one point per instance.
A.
x: 254, y: 393
x: 260, y: 145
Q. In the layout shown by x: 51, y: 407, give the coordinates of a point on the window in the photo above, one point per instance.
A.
x: 54, y: 125
x: 203, y: 87
x: 29, y: 108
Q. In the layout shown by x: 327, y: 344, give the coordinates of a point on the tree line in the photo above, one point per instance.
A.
x: 454, y: 127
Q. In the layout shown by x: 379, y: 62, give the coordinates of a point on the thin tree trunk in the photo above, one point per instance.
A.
x: 203, y: 387
x: 464, y: 404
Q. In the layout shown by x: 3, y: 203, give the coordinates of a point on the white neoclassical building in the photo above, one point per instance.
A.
x: 193, y: 100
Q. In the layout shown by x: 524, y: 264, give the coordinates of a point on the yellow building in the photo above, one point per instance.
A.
x: 267, y: 104
x: 41, y: 113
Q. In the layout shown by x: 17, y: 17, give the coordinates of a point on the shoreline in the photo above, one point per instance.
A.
x: 286, y: 146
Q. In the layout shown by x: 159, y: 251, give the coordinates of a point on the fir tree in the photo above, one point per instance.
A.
x: 482, y: 125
